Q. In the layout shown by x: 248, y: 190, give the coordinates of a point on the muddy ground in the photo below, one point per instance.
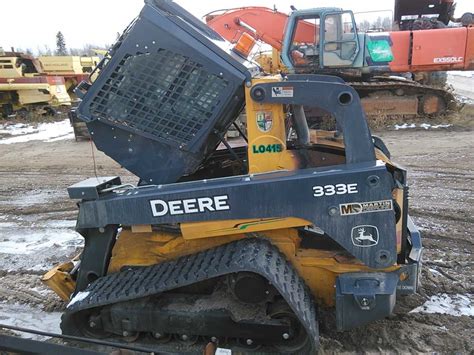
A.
x: 37, y: 219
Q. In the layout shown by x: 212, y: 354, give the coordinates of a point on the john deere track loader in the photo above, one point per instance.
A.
x: 235, y: 243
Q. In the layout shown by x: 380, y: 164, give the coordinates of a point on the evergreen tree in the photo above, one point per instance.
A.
x: 60, y: 44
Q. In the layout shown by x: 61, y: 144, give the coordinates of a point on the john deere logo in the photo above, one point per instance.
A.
x: 264, y: 121
x: 365, y: 236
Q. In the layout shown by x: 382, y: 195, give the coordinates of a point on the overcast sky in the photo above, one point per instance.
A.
x: 34, y: 23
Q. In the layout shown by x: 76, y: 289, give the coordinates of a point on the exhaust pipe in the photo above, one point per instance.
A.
x: 302, y: 129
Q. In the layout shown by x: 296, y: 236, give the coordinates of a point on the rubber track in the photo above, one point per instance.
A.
x: 250, y: 255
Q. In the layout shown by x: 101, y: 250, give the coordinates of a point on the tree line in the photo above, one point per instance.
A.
x: 62, y: 49
x: 381, y: 23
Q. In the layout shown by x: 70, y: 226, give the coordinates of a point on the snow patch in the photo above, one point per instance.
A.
x: 78, y: 297
x: 428, y: 126
x: 405, y: 126
x: 423, y: 125
x: 25, y: 316
x: 466, y: 74
x: 34, y: 197
x: 28, y: 239
x: 455, y: 305
x: 46, y: 132
x: 435, y: 272
x: 16, y: 129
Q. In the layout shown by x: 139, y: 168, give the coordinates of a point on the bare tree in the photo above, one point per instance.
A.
x: 45, y: 50
x: 387, y: 23
x: 364, y: 26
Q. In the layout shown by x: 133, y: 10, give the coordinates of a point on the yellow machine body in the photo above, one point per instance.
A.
x: 57, y: 65
x: 22, y: 83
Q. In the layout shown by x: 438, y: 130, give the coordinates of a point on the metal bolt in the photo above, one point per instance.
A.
x: 125, y: 333
x: 184, y: 337
x: 333, y: 211
x: 101, y: 230
x: 364, y: 302
x: 157, y: 335
x: 286, y: 336
x: 92, y: 324
x: 214, y: 339
x: 249, y: 341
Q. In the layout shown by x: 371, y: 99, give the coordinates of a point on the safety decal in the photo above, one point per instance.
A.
x: 348, y: 209
x: 365, y: 236
x: 282, y: 91
x: 264, y: 121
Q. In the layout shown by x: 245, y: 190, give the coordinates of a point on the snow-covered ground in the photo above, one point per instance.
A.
x: 455, y: 305
x: 466, y: 74
x: 463, y: 84
x: 19, y: 239
x: 46, y: 132
x: 28, y: 317
x: 27, y: 244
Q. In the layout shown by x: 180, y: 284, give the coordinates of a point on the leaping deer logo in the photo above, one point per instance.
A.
x: 362, y: 236
x: 365, y: 236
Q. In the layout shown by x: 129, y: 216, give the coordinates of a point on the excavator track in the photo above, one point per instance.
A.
x: 432, y: 101
x: 254, y: 255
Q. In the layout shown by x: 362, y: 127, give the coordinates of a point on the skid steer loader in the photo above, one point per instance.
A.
x: 227, y: 242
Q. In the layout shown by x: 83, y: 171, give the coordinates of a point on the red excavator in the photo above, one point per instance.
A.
x: 326, y: 40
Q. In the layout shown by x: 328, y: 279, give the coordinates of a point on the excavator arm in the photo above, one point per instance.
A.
x: 262, y: 23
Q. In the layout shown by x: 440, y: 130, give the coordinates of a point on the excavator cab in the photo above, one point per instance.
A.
x: 321, y: 38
